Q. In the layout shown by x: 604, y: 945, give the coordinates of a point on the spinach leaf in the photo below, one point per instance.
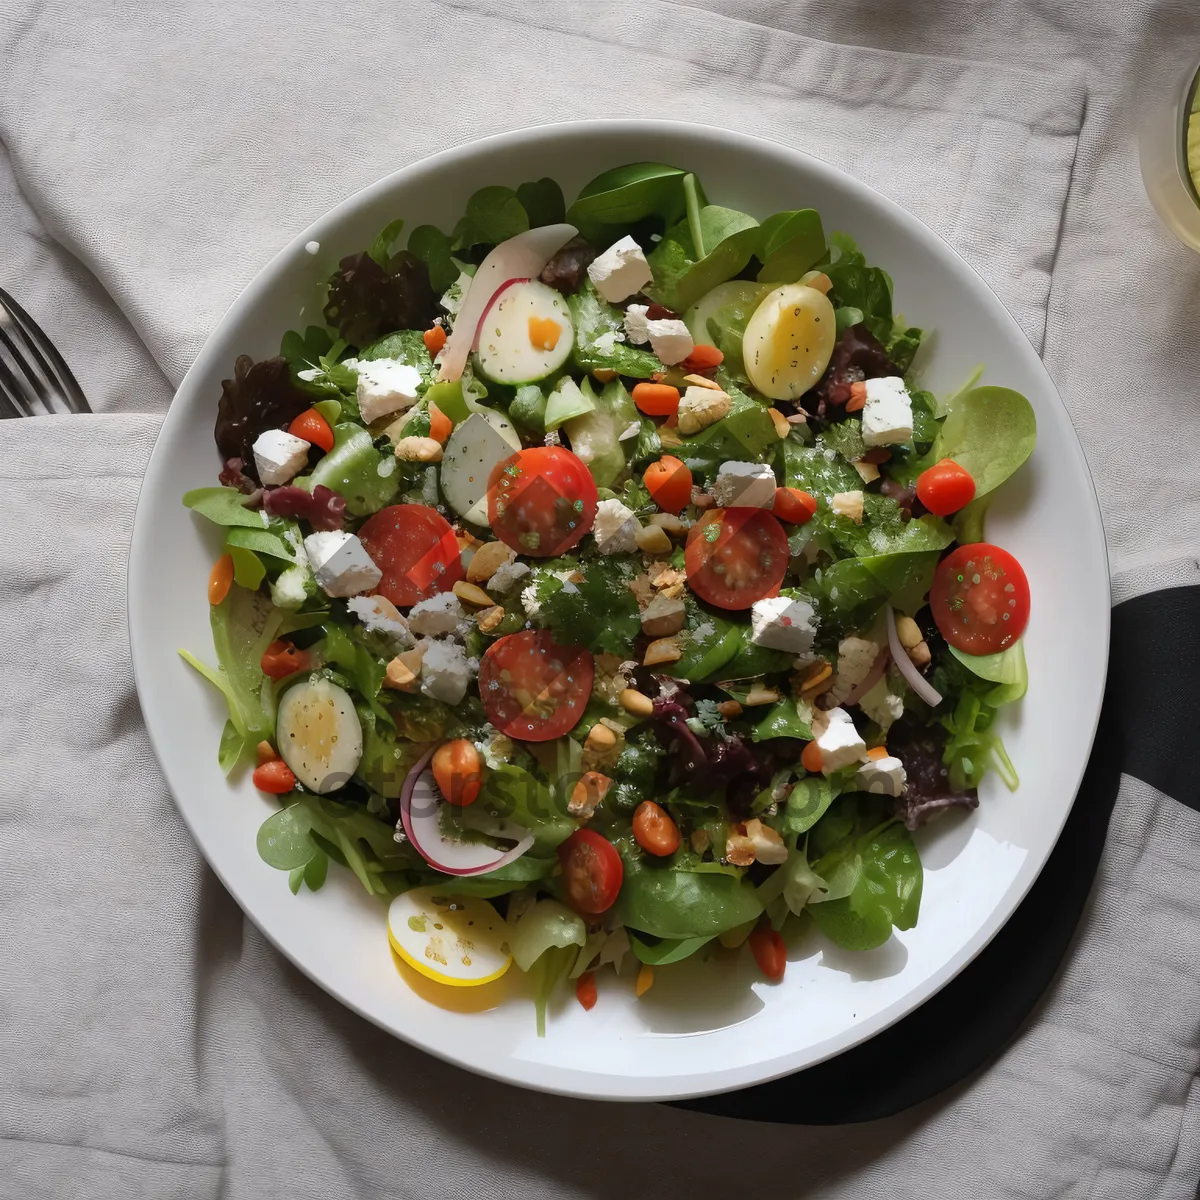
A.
x: 248, y: 569
x: 1006, y: 668
x: 626, y: 195
x: 493, y: 215
x: 344, y: 649
x: 807, y: 803
x: 547, y: 925
x: 663, y: 951
x: 263, y: 541
x: 968, y: 522
x: 382, y: 247
x: 790, y: 243
x: 233, y: 747
x: 785, y: 718
x: 511, y: 791
x: 304, y: 353
x: 543, y: 202
x: 988, y: 431
x: 386, y: 758
x: 223, y: 506
x: 746, y: 430
x: 432, y: 247
x: 857, y: 285
x: 855, y: 587
x: 406, y: 346
x: 685, y: 271
x: 283, y: 838
x: 596, y: 325
x: 846, y: 438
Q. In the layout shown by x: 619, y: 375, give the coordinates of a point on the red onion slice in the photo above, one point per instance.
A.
x: 492, y: 304
x: 520, y: 257
x: 420, y: 812
x: 912, y: 676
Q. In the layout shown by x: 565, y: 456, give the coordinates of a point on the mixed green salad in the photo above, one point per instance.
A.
x: 602, y: 588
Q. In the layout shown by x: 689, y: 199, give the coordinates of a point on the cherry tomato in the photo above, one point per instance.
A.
x: 415, y: 549
x: 457, y: 771
x: 220, y: 579
x: 311, y: 427
x: 532, y: 688
x: 274, y: 777
x: 669, y: 483
x: 585, y: 990
x: 541, y: 501
x: 945, y: 487
x: 592, y: 871
x: 656, y: 833
x: 980, y: 599
x: 281, y: 659
x: 735, y: 556
x: 769, y: 951
x: 794, y: 506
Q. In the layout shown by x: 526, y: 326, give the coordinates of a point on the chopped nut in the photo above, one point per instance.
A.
x: 663, y: 575
x: 645, y: 979
x: 404, y: 671
x: 264, y: 752
x: 768, y: 845
x: 702, y: 407
x: 867, y: 472
x: 675, y: 526
x: 704, y: 382
x: 652, y: 539
x: 587, y: 794
x: 739, y: 850
x: 641, y: 588
x: 488, y: 618
x: 813, y: 680
x: 729, y: 709
x: 604, y: 374
x: 669, y: 438
x: 489, y: 558
x: 469, y: 593
x: 848, y: 504
x: 782, y: 426
x: 761, y: 695
x: 920, y: 654
x: 600, y: 737
x: 637, y: 703
x: 674, y: 591
x: 798, y: 418
x: 700, y: 840
x: 700, y: 498
x: 663, y: 616
x: 419, y: 449
x: 663, y: 650
x: 909, y: 632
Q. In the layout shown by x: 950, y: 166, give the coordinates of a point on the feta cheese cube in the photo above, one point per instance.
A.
x: 700, y: 408
x: 839, y: 742
x: 379, y: 615
x: 615, y: 528
x: 637, y: 326
x: 856, y: 657
x: 744, y: 485
x: 887, y: 416
x: 620, y: 271
x: 529, y: 600
x: 883, y: 776
x: 671, y: 340
x: 341, y: 563
x: 506, y: 575
x: 279, y: 456
x: 438, y: 615
x: 386, y: 386
x: 882, y: 705
x: 848, y: 504
x: 446, y: 671
x: 781, y: 623
x: 606, y: 343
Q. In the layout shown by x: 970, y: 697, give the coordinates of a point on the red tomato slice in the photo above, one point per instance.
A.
x: 532, y: 688
x: 735, y: 556
x: 541, y: 501
x: 592, y: 871
x: 980, y: 599
x: 415, y: 549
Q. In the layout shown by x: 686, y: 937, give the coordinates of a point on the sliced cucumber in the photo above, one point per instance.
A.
x: 741, y: 296
x: 526, y: 335
x: 473, y: 448
x: 567, y: 401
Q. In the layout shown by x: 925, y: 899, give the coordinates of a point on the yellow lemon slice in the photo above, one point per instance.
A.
x: 461, y: 941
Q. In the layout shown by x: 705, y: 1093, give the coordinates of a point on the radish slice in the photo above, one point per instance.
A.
x: 872, y: 678
x: 483, y: 316
x: 521, y: 257
x: 912, y: 676
x: 420, y: 811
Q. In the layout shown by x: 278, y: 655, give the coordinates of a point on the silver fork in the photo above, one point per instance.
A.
x: 34, y: 378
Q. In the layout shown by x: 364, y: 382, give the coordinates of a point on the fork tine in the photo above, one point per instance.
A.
x: 7, y: 407
x: 47, y: 354
x: 34, y: 384
x: 17, y: 394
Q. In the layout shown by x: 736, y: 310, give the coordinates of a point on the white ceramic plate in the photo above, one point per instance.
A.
x: 704, y: 1027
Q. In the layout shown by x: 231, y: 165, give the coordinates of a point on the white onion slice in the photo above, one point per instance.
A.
x: 520, y: 257
x: 420, y: 811
x: 912, y: 676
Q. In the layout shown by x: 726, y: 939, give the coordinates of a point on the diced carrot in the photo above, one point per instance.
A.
x: 656, y: 399
x: 264, y: 752
x: 221, y: 579
x: 439, y: 424
x: 434, y: 339
x: 585, y: 990
x: 703, y: 358
x: 858, y: 396
x: 811, y: 759
x: 877, y: 752
x: 645, y: 979
x: 544, y: 333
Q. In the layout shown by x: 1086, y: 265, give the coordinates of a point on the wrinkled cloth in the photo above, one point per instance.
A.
x: 151, y: 161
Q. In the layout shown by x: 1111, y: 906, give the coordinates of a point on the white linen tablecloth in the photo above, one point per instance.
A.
x: 151, y: 160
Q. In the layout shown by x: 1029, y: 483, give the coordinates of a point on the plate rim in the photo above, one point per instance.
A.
x: 559, y: 1078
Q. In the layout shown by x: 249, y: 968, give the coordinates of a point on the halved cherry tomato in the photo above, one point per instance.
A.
x: 735, y: 556
x: 532, y: 688
x: 434, y: 339
x: 769, y: 951
x: 669, y: 483
x: 980, y: 599
x: 458, y: 771
x: 656, y: 399
x: 416, y: 550
x: 220, y: 579
x: 703, y: 358
x: 541, y: 501
x: 281, y: 659
x: 313, y: 428
x: 274, y: 777
x: 656, y: 833
x: 585, y: 990
x: 945, y: 487
x: 440, y: 425
x: 794, y: 506
x: 592, y: 871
